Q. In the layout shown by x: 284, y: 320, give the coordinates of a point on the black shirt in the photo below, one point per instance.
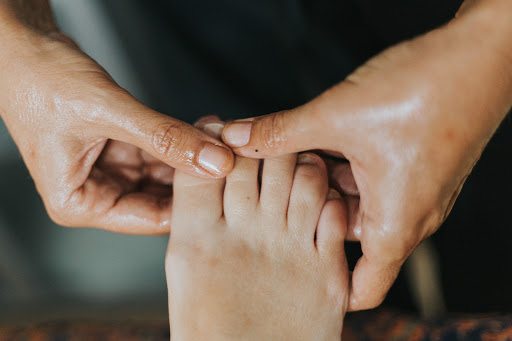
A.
x: 229, y: 56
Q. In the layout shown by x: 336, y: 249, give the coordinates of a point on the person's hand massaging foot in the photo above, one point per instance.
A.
x: 98, y: 157
x: 412, y: 121
x: 258, y: 262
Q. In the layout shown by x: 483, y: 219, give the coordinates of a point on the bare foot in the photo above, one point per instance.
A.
x: 246, y: 263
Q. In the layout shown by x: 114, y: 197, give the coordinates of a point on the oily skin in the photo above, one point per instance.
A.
x: 410, y: 137
x: 99, y: 158
x: 412, y: 122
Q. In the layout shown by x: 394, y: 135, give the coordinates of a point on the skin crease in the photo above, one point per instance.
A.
x: 99, y: 158
x: 412, y: 122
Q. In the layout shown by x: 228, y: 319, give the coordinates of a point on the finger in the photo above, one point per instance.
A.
x: 354, y: 218
x: 133, y: 165
x: 176, y: 143
x: 281, y: 133
x: 137, y: 213
x: 104, y: 203
x: 156, y: 170
x: 191, y: 192
x: 121, y: 160
x: 371, y: 280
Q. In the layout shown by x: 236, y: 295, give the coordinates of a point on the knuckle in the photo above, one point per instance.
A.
x: 271, y: 133
x: 169, y: 140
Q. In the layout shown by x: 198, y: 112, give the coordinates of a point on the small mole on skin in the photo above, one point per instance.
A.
x: 256, y: 150
x: 248, y: 198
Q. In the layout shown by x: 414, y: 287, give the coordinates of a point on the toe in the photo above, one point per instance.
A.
x: 276, y: 185
x: 330, y: 245
x: 332, y: 225
x: 308, y: 195
x: 197, y: 197
x: 242, y: 189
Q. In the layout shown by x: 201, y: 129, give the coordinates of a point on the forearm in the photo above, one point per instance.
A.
x: 24, y: 29
x: 488, y: 28
x: 22, y: 25
x: 466, y: 66
x: 34, y: 14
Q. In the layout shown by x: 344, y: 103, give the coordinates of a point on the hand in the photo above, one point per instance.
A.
x: 412, y: 122
x: 99, y: 158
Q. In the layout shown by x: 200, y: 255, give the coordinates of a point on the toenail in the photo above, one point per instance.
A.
x: 307, y: 159
x: 238, y: 134
x: 214, y: 129
x: 207, y: 119
x: 213, y: 158
x: 333, y: 194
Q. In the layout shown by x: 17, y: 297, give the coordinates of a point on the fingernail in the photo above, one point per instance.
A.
x: 238, y: 134
x: 333, y: 194
x: 307, y: 159
x: 214, y: 129
x: 213, y: 158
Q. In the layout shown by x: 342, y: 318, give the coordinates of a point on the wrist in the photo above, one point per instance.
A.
x: 24, y: 25
x: 489, y: 21
x: 26, y: 28
x: 33, y: 14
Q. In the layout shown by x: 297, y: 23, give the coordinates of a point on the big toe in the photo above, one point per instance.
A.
x: 197, y: 200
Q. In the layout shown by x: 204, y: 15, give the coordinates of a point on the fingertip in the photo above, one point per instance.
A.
x: 370, y: 284
x: 237, y: 134
x: 280, y: 133
x: 216, y: 160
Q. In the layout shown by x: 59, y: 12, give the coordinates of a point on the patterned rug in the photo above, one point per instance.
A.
x: 380, y: 325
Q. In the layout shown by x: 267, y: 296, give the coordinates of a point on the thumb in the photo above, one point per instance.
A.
x: 384, y: 252
x: 280, y: 133
x: 371, y: 281
x: 174, y: 142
